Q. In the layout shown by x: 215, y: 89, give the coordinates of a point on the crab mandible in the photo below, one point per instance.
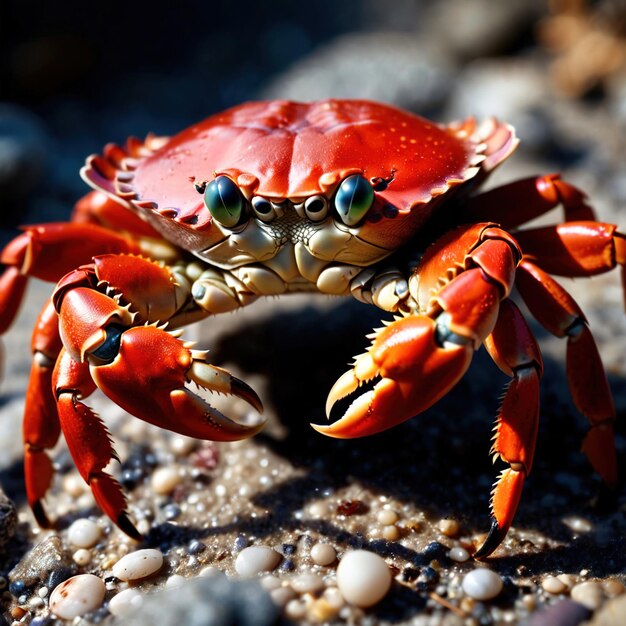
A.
x: 339, y: 197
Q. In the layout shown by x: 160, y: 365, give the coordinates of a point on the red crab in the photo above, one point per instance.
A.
x: 344, y: 197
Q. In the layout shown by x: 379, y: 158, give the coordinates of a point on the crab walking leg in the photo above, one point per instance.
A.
x: 515, y: 351
x: 41, y: 427
x: 575, y: 249
x: 48, y: 252
x: 557, y: 311
x: 419, y: 358
x: 523, y: 200
x: 88, y: 440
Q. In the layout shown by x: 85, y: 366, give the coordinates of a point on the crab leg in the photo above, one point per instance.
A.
x: 523, y: 200
x: 575, y: 249
x: 515, y: 351
x: 557, y: 311
x: 88, y: 440
x: 48, y: 252
x: 41, y: 427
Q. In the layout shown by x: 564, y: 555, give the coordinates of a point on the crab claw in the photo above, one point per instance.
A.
x: 417, y: 365
x: 147, y: 378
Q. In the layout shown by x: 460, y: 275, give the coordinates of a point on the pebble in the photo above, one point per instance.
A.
x: 563, y: 613
x: 553, y: 585
x: 611, y: 614
x: 165, y: 479
x: 295, y: 610
x: 588, y: 593
x: 449, y: 527
x: 390, y: 533
x: 323, y: 554
x: 319, y: 510
x: 613, y: 588
x: 255, y: 559
x: 84, y: 533
x: 387, y: 517
x: 482, y: 584
x: 578, y: 524
x: 363, y: 578
x: 281, y: 596
x: 458, y: 554
x: 307, y: 583
x: 81, y: 557
x: 125, y: 602
x: 76, y: 596
x: 138, y: 565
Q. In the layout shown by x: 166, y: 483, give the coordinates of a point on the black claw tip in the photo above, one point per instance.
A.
x: 245, y: 392
x: 40, y: 514
x: 494, y: 539
x: 124, y: 523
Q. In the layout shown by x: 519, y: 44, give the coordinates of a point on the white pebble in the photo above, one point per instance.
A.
x: 255, y: 559
x: 83, y: 533
x: 458, y: 554
x: 295, y: 610
x: 323, y: 554
x: 387, y: 517
x: 82, y: 557
x: 578, y: 524
x: 139, y: 564
x: 210, y: 571
x: 77, y: 595
x: 482, y: 584
x: 588, y: 593
x: 182, y: 445
x: 124, y: 602
x: 175, y: 580
x: 165, y: 479
x: 363, y: 578
x: 553, y: 585
x: 319, y: 510
x: 282, y: 595
x: 307, y: 583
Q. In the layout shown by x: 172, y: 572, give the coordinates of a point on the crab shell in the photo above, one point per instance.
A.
x: 283, y: 150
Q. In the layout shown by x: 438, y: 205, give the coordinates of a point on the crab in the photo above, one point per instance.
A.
x: 342, y: 197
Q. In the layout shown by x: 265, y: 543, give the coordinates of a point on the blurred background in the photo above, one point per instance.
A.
x: 76, y: 75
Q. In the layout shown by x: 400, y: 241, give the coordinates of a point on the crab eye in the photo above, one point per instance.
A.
x: 263, y: 209
x: 316, y: 208
x: 224, y: 200
x: 354, y: 199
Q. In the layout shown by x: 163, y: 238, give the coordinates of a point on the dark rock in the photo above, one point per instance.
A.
x: 8, y: 520
x: 206, y: 602
x: 40, y: 563
x: 563, y: 613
